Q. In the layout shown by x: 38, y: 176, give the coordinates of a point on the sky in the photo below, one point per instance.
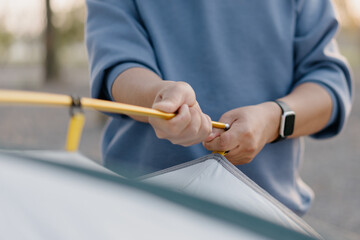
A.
x: 354, y: 9
x: 26, y: 17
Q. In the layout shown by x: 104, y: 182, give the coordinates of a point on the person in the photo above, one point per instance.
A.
x: 221, y: 60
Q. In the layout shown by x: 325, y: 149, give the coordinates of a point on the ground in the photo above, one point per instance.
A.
x: 330, y: 166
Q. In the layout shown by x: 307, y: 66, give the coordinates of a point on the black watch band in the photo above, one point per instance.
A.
x: 287, y: 121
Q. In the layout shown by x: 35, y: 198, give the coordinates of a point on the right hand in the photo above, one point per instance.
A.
x: 190, y: 125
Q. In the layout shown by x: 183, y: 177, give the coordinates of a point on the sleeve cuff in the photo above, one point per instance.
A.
x: 327, y: 130
x: 335, y: 108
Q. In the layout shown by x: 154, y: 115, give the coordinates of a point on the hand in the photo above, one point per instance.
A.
x: 190, y: 126
x: 251, y: 128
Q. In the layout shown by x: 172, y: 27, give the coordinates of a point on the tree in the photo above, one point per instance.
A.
x: 5, y: 41
x: 51, y: 66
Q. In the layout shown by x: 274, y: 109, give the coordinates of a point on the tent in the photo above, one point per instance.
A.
x: 62, y: 195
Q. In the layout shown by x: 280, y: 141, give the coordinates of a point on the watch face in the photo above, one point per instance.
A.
x: 289, y: 124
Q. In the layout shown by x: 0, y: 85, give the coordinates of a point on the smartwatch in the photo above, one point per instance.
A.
x: 287, y: 121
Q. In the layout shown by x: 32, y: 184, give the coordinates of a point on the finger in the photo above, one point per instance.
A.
x: 244, y: 152
x: 191, y: 134
x: 171, y: 128
x: 181, y: 121
x: 234, y: 153
x: 224, y: 142
x: 238, y: 157
x: 204, y: 131
x: 214, y: 133
x: 228, y: 118
x: 206, y: 124
x: 225, y: 118
x: 168, y: 104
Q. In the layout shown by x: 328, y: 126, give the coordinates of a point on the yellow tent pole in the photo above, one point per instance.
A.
x: 76, y: 125
x: 115, y: 107
x: 24, y: 97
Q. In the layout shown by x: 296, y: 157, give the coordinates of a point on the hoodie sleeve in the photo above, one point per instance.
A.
x: 317, y: 59
x: 116, y: 40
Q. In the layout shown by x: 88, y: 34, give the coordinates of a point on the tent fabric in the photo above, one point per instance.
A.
x: 214, y: 178
x: 75, y: 159
x: 58, y: 195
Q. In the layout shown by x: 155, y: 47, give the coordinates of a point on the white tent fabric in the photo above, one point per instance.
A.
x: 214, y: 178
x: 58, y: 195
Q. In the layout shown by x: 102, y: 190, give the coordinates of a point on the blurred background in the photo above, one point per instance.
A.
x: 42, y: 49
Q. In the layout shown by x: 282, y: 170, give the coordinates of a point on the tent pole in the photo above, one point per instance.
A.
x: 37, y: 98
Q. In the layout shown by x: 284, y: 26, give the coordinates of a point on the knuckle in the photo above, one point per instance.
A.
x: 184, y: 85
x: 240, y: 160
x: 181, y: 142
x: 185, y: 118
x: 247, y: 132
x: 247, y: 159
x: 173, y: 141
x: 210, y: 147
x: 250, y: 148
x: 186, y: 88
x: 205, y: 132
x: 178, y: 140
x: 167, y: 131
x: 160, y: 134
x: 236, y: 160
x: 207, y: 146
x: 250, y: 141
x: 207, y: 126
x: 195, y: 124
x: 186, y: 144
x: 223, y: 141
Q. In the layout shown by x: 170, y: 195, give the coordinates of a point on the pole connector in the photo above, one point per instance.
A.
x: 75, y: 105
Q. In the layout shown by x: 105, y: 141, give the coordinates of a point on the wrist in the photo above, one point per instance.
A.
x: 137, y: 86
x: 273, y: 117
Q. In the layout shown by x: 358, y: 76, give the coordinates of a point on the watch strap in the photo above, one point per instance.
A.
x: 284, y: 108
x: 279, y: 138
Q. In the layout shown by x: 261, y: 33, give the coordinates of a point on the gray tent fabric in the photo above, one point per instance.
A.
x: 59, y: 195
x: 214, y: 178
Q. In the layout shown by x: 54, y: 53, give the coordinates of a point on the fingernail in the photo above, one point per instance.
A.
x: 165, y: 106
x: 210, y: 137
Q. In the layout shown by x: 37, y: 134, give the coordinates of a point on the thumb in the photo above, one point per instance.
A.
x: 226, y: 118
x: 168, y: 103
x: 214, y: 134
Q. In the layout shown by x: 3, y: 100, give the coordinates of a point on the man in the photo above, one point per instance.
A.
x: 228, y: 61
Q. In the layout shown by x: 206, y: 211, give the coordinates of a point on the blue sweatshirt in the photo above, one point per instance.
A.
x: 233, y: 53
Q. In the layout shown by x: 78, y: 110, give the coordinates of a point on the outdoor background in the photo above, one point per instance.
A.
x: 41, y: 55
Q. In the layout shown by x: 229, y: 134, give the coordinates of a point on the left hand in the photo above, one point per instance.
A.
x: 251, y: 128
